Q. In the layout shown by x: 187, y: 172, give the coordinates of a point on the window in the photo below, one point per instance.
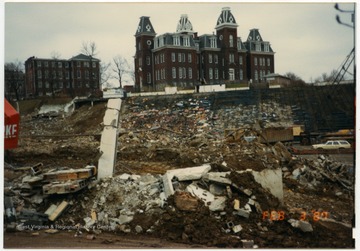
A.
x: 176, y: 40
x: 184, y: 72
x: 216, y: 58
x: 173, y: 57
x: 210, y: 58
x: 86, y: 64
x: 39, y: 75
x: 47, y: 85
x: 148, y: 77
x: 180, y: 72
x: 46, y: 63
x: 86, y: 74
x: 183, y: 57
x: 162, y: 73
x: 67, y: 74
x: 231, y: 58
x: 258, y: 47
x: 94, y: 64
x: 38, y: 64
x: 213, y: 42
x: 148, y: 60
x: 231, y: 41
x: 255, y: 61
x: 216, y: 73
x: 40, y: 84
x: 260, y: 61
x: 173, y: 72
x: 52, y: 64
x: 60, y: 75
x: 46, y: 74
x: 59, y: 65
x: 179, y: 57
x: 231, y: 74
x: 240, y: 60
x: 256, y: 76
x: 189, y: 58
x: 66, y: 65
x: 61, y: 85
x: 241, y: 74
x: 186, y: 41
x: 268, y: 61
x: 78, y: 64
x: 190, y: 73
x: 266, y: 47
x: 210, y: 73
x: 78, y: 74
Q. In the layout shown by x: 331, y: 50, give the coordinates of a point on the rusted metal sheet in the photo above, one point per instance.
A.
x: 272, y: 135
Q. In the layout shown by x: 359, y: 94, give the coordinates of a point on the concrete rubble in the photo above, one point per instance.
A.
x: 177, y: 176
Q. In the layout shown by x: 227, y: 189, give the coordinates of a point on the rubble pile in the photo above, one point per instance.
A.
x: 183, y: 177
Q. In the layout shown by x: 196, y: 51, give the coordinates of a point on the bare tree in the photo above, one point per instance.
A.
x: 105, y: 74
x: 89, y: 48
x: 55, y: 55
x: 121, y: 68
x: 14, y: 79
x: 295, y: 80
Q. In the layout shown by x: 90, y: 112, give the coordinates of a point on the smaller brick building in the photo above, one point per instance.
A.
x: 77, y: 76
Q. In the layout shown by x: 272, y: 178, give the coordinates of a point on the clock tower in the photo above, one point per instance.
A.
x: 144, y: 37
x: 226, y: 31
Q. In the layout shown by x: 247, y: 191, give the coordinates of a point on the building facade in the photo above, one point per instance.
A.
x: 184, y: 59
x: 78, y: 76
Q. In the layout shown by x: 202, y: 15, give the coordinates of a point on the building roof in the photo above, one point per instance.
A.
x: 226, y: 19
x: 145, y: 27
x: 82, y: 57
x: 184, y: 25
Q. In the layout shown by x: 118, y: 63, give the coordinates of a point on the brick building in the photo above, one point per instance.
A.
x: 78, y: 76
x: 184, y: 59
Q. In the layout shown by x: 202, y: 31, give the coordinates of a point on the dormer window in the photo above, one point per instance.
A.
x: 176, y: 41
x: 266, y: 47
x: 258, y: 47
x: 213, y: 42
x: 186, y: 41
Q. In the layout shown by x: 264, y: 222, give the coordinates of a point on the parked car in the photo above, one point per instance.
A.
x: 333, y: 144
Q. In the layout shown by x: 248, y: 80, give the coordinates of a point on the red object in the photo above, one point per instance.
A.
x: 11, y: 130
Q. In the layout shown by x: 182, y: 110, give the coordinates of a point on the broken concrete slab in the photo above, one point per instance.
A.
x: 218, y: 177
x: 271, y: 179
x: 242, y: 212
x: 218, y: 204
x: 303, y: 225
x: 190, y: 173
x: 202, y: 194
x: 237, y: 228
x: 51, y: 209
x: 58, y: 211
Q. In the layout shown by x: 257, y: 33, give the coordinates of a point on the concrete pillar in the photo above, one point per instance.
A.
x: 109, y: 138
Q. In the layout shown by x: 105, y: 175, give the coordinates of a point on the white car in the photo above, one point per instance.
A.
x: 333, y: 144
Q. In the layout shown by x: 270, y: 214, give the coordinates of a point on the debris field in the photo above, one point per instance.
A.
x: 185, y: 172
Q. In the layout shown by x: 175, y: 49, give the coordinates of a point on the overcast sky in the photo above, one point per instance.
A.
x: 306, y: 38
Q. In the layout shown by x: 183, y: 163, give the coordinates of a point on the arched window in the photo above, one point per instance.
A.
x: 231, y: 41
